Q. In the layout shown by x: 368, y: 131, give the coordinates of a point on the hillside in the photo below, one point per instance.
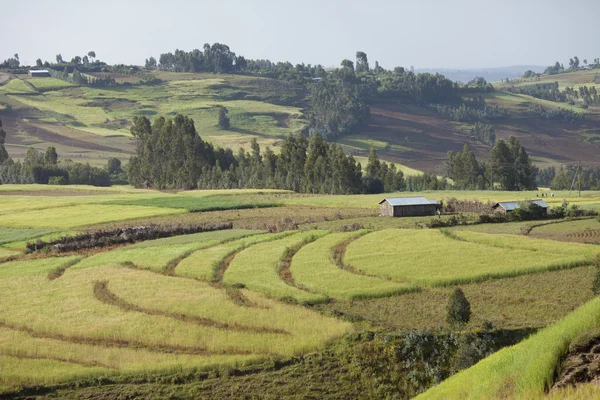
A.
x: 92, y: 124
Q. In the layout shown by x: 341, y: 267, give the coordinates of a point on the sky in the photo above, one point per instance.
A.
x: 421, y: 33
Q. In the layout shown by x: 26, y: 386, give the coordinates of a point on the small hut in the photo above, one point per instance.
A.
x: 408, y: 207
x: 39, y: 73
x: 504, y: 207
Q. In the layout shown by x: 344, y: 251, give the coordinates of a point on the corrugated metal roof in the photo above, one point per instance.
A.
x: 408, y: 201
x: 511, y: 205
x: 42, y: 71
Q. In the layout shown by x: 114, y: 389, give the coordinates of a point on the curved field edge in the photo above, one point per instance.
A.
x: 257, y: 267
x: 432, y: 258
x: 525, y: 370
x: 313, y: 267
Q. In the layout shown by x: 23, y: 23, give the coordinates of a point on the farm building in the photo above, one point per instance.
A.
x: 38, y: 72
x: 505, y: 207
x: 408, y: 207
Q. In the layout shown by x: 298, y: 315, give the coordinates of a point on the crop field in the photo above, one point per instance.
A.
x: 297, y: 276
x: 524, y: 370
x: 431, y: 258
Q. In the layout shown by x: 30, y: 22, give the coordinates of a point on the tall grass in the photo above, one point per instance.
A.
x: 430, y: 258
x: 526, y: 243
x: 314, y: 268
x: 203, y: 263
x: 525, y: 370
x: 77, y: 216
x: 41, y: 266
x: 257, y: 268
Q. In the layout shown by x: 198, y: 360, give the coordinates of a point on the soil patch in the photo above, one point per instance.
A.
x: 580, y: 365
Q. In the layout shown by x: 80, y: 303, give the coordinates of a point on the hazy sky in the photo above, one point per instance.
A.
x: 422, y: 33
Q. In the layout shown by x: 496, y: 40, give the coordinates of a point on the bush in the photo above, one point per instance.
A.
x: 527, y: 211
x: 57, y: 180
x: 596, y: 282
x: 458, y: 309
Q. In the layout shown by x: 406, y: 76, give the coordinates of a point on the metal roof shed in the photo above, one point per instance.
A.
x: 408, y: 206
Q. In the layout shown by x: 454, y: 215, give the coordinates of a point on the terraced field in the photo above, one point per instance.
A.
x: 234, y: 298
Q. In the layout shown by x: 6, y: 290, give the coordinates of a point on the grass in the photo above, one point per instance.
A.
x: 44, y: 84
x: 197, y: 204
x: 203, y: 238
x: 521, y: 371
x: 520, y: 302
x: 430, y: 258
x: 313, y: 267
x: 257, y: 268
x: 524, y: 243
x: 41, y: 266
x: 61, y: 318
x: 203, y: 263
x: 8, y: 235
x: 155, y: 258
x: 77, y: 216
x: 16, y: 86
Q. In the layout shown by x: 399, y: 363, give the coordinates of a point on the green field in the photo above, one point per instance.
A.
x: 431, y: 258
x: 315, y: 278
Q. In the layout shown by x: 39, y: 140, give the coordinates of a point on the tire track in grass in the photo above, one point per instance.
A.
x: 234, y: 294
x: 23, y: 356
x: 104, y: 295
x: 58, y: 272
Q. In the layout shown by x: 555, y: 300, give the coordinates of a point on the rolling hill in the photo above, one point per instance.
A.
x: 92, y: 124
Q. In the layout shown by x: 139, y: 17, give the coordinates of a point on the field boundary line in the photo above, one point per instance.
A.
x: 285, y: 263
x: 103, y: 294
x: 24, y: 356
x: 121, y: 343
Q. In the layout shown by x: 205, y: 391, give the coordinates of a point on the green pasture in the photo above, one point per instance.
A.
x: 313, y: 267
x: 431, y: 258
x: 522, y: 371
x: 257, y: 268
x: 202, y: 264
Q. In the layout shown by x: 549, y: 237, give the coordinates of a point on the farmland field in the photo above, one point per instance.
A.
x: 294, y: 277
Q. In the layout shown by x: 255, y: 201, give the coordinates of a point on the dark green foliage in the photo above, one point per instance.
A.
x: 4, y: 157
x: 546, y: 91
x: 420, y: 88
x: 465, y: 170
x: 484, y: 133
x: 217, y: 58
x: 57, y: 180
x: 380, y: 177
x: 596, y: 282
x: 561, y: 114
x: 223, y: 119
x: 105, y: 238
x: 51, y: 157
x: 458, y: 310
x: 510, y: 166
x: 113, y: 166
x: 339, y: 103
x: 527, y: 211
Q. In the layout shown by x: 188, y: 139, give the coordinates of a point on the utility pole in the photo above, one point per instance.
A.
x: 573, y: 182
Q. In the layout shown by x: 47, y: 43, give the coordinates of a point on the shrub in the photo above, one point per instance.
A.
x: 596, y: 282
x: 458, y: 309
x: 57, y: 180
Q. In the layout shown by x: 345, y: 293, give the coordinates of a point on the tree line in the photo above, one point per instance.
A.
x: 171, y: 155
x: 509, y: 168
x: 47, y: 168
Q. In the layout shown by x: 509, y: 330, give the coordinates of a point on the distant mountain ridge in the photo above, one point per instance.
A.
x: 489, y: 74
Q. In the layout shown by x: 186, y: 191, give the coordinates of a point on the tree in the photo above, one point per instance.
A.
x: 51, y: 157
x: 362, y: 63
x: 59, y: 59
x: 4, y: 157
x: 39, y: 63
x: 114, y: 166
x: 223, y: 119
x: 347, y: 64
x: 92, y: 55
x: 16, y: 56
x: 86, y: 61
x: 458, y: 310
x: 76, y: 60
x: 151, y: 63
